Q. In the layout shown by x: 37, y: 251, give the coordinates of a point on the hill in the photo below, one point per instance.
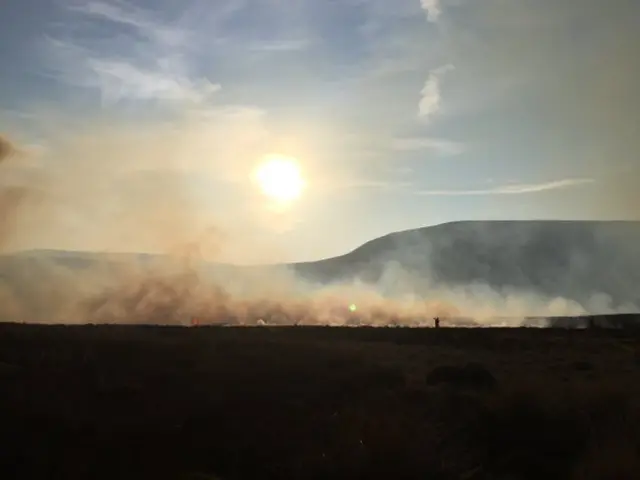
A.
x: 596, y: 264
x: 585, y: 261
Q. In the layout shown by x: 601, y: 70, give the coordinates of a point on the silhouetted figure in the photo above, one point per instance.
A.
x: 437, y: 322
x: 592, y: 322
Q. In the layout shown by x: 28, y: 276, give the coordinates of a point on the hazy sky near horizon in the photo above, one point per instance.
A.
x: 144, y: 119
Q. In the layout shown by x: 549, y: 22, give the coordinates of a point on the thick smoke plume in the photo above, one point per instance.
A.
x: 11, y: 195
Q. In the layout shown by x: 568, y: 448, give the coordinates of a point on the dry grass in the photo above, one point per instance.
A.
x: 315, y: 403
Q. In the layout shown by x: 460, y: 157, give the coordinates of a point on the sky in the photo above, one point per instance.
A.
x: 143, y: 120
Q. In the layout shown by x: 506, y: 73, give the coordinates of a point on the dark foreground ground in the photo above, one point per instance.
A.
x: 108, y: 402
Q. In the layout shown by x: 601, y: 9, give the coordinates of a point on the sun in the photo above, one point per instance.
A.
x: 279, y: 178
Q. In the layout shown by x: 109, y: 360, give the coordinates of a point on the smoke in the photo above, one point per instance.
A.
x: 92, y: 187
x: 11, y: 195
x: 106, y: 186
x: 178, y: 291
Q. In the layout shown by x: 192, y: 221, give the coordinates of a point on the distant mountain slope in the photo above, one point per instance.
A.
x: 572, y: 259
x: 596, y: 264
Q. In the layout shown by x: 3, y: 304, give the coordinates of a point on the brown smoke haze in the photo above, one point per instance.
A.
x: 99, y: 186
x: 10, y: 195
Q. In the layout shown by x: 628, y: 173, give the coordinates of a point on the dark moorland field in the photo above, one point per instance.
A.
x: 114, y: 402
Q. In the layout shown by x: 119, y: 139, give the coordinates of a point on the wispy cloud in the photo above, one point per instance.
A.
x: 433, y: 9
x: 430, y: 100
x: 140, y: 20
x: 146, y: 62
x: 516, y: 189
x: 377, y: 184
x: 363, y: 182
x: 121, y: 79
x: 435, y: 145
x: 292, y: 45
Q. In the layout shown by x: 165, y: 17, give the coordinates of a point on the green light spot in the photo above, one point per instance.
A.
x: 352, y: 307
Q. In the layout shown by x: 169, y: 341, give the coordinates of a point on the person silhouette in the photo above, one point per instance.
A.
x: 437, y: 322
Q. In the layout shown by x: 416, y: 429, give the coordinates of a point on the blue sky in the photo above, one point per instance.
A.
x: 145, y: 118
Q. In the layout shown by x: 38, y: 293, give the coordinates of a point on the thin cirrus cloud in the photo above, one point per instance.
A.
x: 145, y: 62
x: 434, y: 145
x: 134, y: 17
x: 291, y: 45
x: 516, y: 189
x: 121, y: 79
x: 372, y: 184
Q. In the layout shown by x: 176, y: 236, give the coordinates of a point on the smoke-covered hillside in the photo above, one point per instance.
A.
x: 480, y: 270
x: 577, y: 260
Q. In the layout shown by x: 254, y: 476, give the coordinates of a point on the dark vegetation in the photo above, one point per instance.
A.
x: 313, y: 403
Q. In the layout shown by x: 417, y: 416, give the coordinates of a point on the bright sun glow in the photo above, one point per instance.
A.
x: 280, y: 179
